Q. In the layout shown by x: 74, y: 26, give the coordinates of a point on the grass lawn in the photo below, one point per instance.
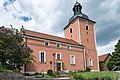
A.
x: 2, y: 69
x: 95, y: 75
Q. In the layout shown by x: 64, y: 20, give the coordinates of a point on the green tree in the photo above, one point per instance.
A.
x: 115, y: 59
x: 14, y: 52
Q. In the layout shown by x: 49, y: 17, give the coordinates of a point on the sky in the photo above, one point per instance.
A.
x: 51, y: 16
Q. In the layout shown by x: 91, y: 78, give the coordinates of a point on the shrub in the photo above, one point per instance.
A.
x: 78, y: 77
x: 72, y: 74
x: 38, y: 76
x: 56, y: 75
x: 37, y: 73
x: 4, y: 69
x: 43, y: 75
x: 80, y: 71
x: 88, y: 69
x: 26, y: 74
x: 50, y: 72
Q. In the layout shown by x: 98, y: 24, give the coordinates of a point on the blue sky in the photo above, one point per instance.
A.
x: 51, y: 16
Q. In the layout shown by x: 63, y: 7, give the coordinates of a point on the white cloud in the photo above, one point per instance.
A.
x: 46, y: 15
x: 107, y: 48
x: 111, y: 7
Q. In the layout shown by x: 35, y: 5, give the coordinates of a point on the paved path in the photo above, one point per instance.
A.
x: 32, y: 78
x: 62, y: 78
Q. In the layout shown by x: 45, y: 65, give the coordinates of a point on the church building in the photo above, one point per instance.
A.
x: 75, y: 52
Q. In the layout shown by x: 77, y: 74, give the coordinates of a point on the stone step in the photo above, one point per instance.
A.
x: 63, y: 74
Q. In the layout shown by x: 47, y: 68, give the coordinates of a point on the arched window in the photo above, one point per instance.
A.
x: 70, y: 28
x: 86, y: 25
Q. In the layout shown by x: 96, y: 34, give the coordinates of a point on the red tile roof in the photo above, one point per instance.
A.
x: 104, y: 57
x: 50, y: 37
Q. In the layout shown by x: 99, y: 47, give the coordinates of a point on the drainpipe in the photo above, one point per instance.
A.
x: 84, y: 58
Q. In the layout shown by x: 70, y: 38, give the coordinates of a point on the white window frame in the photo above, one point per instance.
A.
x: 90, y: 62
x: 48, y: 43
x: 60, y: 56
x: 44, y: 57
x: 59, y: 44
x: 72, y: 62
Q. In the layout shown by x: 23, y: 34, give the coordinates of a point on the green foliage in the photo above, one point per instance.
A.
x: 87, y: 69
x: 14, y: 52
x: 38, y: 76
x: 56, y: 75
x: 95, y: 76
x: 115, y: 59
x: 37, y: 73
x: 50, y: 72
x: 78, y: 77
x: 4, y: 69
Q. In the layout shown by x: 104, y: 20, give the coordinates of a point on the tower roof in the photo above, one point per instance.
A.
x: 77, y: 9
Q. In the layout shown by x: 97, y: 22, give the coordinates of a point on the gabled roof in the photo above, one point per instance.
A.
x: 50, y: 37
x: 104, y: 57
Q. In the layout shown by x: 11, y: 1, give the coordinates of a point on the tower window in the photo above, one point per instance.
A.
x: 86, y: 25
x: 70, y: 30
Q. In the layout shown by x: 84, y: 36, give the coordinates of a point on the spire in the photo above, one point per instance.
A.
x: 77, y: 8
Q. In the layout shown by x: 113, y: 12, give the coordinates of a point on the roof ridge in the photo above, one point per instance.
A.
x: 48, y: 34
x: 105, y: 54
x: 51, y: 37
